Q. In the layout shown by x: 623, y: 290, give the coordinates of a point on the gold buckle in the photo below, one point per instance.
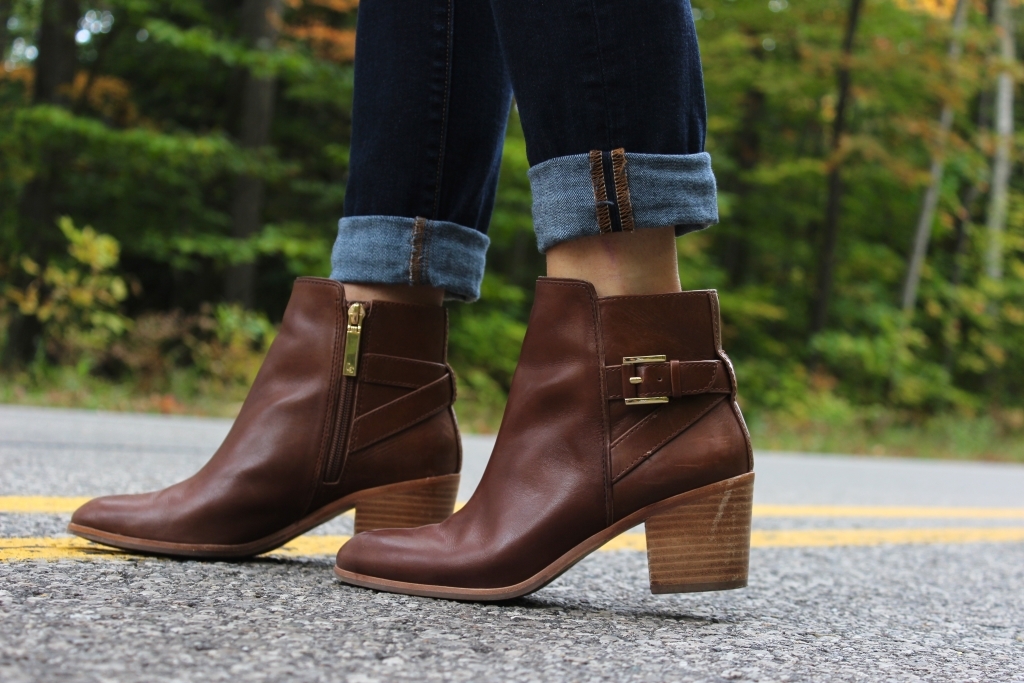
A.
x: 634, y: 360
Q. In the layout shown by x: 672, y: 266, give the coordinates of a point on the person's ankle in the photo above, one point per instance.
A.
x: 403, y: 294
x: 619, y: 264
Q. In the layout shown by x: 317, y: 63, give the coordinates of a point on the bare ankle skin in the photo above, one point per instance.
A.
x: 403, y: 294
x: 620, y: 263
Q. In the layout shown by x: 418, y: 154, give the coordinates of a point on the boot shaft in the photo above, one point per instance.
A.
x: 618, y: 407
x: 646, y: 384
x: 674, y: 424
x: 660, y: 349
x: 351, y: 408
x: 390, y: 414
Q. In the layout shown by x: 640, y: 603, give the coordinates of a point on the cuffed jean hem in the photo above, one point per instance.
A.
x: 411, y: 251
x: 589, y: 194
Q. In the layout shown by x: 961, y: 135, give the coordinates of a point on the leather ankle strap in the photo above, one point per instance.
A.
x: 670, y: 379
x: 395, y: 371
x: 434, y: 386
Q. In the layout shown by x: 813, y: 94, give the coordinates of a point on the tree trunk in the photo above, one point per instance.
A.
x: 736, y: 258
x: 960, y: 234
x: 55, y: 72
x: 6, y: 9
x: 260, y: 23
x: 826, y: 256
x: 931, y: 195
x: 1001, y: 161
x: 58, y: 53
x: 38, y: 234
x: 961, y: 227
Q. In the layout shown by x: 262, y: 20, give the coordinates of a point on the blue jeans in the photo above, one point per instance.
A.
x: 611, y: 98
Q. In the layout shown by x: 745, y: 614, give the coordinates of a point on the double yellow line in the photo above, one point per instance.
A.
x: 49, y: 548
x: 57, y: 548
x: 66, y: 505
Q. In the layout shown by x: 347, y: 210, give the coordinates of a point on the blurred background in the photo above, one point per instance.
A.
x: 167, y: 167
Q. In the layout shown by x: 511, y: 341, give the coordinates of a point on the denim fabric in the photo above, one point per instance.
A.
x: 388, y: 249
x: 664, y: 189
x: 429, y: 111
x: 433, y: 86
x: 604, y: 74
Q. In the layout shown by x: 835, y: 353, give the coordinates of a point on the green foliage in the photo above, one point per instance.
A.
x: 82, y: 325
x: 77, y: 306
x: 147, y: 150
x: 218, y: 348
x: 771, y: 97
x: 484, y: 346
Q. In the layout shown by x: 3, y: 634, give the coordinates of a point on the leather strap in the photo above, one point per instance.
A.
x: 673, y: 378
x: 393, y: 417
x: 657, y: 429
x: 395, y: 371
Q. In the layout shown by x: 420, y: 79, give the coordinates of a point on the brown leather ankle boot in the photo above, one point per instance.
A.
x: 352, y: 408
x: 622, y: 411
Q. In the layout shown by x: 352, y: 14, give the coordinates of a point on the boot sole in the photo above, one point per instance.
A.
x: 696, y: 541
x: 405, y: 504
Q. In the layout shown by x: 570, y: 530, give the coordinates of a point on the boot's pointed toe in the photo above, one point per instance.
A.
x: 394, y: 555
x: 113, y: 513
x: 351, y: 409
x: 622, y: 411
x: 131, y: 522
x: 361, y: 556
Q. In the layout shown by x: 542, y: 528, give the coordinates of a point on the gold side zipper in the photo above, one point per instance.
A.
x: 356, y: 313
x: 346, y: 394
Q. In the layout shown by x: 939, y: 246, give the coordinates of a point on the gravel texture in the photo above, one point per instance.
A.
x: 900, y: 613
x: 929, y: 613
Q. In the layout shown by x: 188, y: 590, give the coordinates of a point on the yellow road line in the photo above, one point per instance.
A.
x: 40, y: 504
x: 48, y: 548
x: 62, y: 505
x: 22, y: 549
x: 809, y: 538
x: 820, y: 538
x: 895, y: 512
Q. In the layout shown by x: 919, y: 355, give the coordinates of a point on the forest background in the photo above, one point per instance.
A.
x: 167, y: 167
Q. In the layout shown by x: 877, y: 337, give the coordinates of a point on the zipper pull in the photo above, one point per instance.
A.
x: 356, y: 314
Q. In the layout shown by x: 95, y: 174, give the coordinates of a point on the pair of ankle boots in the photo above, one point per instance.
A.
x: 622, y: 411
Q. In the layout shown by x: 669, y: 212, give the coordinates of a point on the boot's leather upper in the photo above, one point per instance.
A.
x: 307, y: 435
x: 571, y: 457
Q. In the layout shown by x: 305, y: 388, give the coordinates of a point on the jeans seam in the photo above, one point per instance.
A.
x: 653, y: 190
x: 416, y: 257
x: 601, y: 202
x: 444, y: 110
x: 622, y: 202
x: 604, y: 77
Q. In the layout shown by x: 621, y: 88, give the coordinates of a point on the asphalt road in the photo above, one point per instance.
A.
x: 863, y: 569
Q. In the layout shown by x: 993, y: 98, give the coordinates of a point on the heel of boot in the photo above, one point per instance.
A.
x: 409, y: 504
x: 703, y: 544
